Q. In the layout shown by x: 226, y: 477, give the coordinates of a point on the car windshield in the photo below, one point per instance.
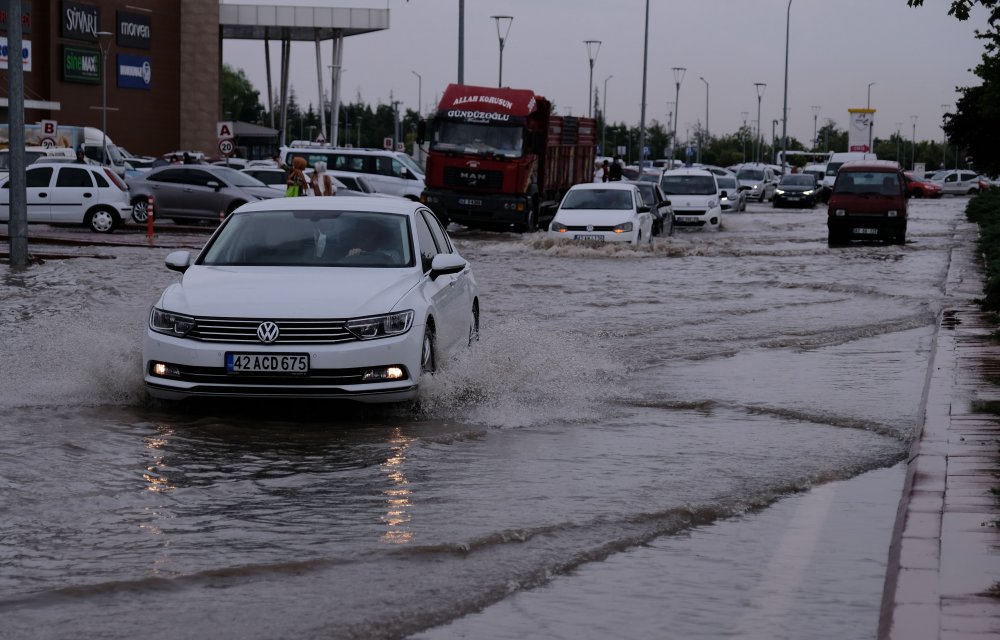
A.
x: 315, y: 238
x: 726, y: 182
x: 832, y: 168
x: 597, y: 199
x: 477, y: 139
x: 237, y: 178
x: 688, y: 185
x: 867, y: 183
x: 409, y: 163
x: 801, y: 179
x: 750, y: 174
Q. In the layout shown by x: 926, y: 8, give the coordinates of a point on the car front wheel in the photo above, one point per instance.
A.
x: 427, y: 360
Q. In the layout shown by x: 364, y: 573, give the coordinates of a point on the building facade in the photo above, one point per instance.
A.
x: 161, y: 73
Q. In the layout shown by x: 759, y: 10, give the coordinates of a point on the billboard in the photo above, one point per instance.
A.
x: 25, y: 53
x: 134, y: 72
x: 859, y: 134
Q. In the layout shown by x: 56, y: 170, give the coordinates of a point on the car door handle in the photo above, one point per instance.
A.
x: 43, y: 195
x: 87, y: 194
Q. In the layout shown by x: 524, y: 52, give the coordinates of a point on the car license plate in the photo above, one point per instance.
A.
x: 687, y: 218
x: 596, y: 238
x: 793, y: 197
x: 280, y: 363
x: 865, y: 231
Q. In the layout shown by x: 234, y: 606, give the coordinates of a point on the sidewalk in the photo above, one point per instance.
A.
x: 945, y: 553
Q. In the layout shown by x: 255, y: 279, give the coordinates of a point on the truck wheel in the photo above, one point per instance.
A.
x: 531, y: 225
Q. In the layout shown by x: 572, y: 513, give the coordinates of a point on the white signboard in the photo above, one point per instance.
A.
x: 224, y: 130
x: 25, y: 53
x: 860, y: 131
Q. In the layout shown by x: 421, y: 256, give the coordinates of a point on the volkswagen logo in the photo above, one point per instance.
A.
x: 267, y: 332
x: 590, y: 227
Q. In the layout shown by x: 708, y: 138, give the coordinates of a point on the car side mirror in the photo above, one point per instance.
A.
x: 666, y: 203
x: 643, y: 209
x: 178, y: 260
x: 724, y: 194
x: 445, y: 263
x: 215, y: 185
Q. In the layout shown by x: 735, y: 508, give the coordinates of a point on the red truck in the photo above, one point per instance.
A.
x: 499, y: 157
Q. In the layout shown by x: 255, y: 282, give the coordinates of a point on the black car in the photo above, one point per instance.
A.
x: 659, y: 206
x: 796, y: 190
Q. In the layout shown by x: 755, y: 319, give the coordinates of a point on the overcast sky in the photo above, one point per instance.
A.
x: 915, y: 57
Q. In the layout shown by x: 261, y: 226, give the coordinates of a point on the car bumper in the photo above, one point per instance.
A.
x: 697, y: 218
x: 793, y: 200
x: 336, y: 371
x: 866, y: 226
x: 593, y: 236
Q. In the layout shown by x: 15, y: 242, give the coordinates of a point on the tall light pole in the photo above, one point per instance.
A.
x: 420, y: 90
x: 784, y: 106
x: 502, y: 33
x: 816, y: 108
x: 642, y: 107
x: 604, y: 118
x: 743, y: 133
x: 678, y: 77
x: 871, y: 122
x: 944, y: 138
x: 593, y: 48
x: 759, y: 86
x: 774, y: 138
x: 899, y: 126
x: 706, y: 115
x: 913, y: 143
x: 105, y: 43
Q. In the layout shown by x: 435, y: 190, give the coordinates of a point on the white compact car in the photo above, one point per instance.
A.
x: 72, y: 193
x: 603, y: 212
x: 695, y: 196
x: 324, y: 297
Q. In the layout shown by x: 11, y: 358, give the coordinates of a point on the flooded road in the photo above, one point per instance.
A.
x: 705, y: 436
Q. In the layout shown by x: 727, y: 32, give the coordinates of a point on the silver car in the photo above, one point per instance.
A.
x: 190, y: 192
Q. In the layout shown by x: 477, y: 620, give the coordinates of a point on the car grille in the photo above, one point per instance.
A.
x: 585, y: 228
x: 461, y: 177
x: 290, y: 331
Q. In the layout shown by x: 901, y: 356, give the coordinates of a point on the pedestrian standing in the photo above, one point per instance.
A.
x: 297, y: 185
x: 322, y: 183
x: 616, y: 170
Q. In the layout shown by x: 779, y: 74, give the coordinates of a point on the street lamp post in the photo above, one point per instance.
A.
x: 871, y: 121
x: 105, y: 44
x: 760, y: 86
x: 604, y: 117
x: 913, y: 143
x: 899, y: 126
x: 743, y: 133
x: 815, y: 109
x: 784, y: 107
x: 502, y: 21
x: 678, y: 77
x: 593, y: 48
x: 642, y: 106
x: 420, y: 90
x: 944, y: 139
x: 706, y: 115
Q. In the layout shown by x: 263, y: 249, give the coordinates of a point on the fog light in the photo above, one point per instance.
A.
x: 165, y: 370
x: 893, y: 214
x: 396, y: 372
x: 840, y: 212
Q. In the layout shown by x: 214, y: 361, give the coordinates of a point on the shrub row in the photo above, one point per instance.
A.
x: 984, y: 209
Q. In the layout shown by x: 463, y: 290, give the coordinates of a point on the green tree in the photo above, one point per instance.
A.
x: 240, y: 101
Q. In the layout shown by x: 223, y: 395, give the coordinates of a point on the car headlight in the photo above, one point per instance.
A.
x: 372, y: 327
x: 559, y: 227
x: 808, y: 192
x: 780, y: 192
x: 712, y: 203
x: 172, y: 324
x: 624, y: 227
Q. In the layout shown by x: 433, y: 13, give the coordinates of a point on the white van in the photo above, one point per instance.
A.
x: 695, y: 197
x: 390, y: 172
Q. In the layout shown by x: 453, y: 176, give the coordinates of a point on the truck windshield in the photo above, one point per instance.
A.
x: 478, y: 139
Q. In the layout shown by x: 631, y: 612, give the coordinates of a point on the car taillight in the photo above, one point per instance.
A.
x: 113, y: 177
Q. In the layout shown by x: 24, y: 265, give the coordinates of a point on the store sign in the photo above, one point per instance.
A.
x: 81, y: 65
x: 134, y: 30
x: 134, y: 72
x: 25, y: 54
x: 25, y: 17
x: 80, y: 21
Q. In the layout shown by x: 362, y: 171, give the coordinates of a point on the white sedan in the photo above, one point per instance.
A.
x: 333, y: 297
x: 603, y: 212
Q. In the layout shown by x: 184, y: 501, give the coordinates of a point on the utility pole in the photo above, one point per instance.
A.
x: 913, y: 143
x: 759, y: 86
x: 815, y: 109
x: 604, y: 118
x: 17, y: 229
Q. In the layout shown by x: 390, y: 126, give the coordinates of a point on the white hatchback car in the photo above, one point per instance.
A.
x: 334, y: 297
x: 603, y: 212
x: 695, y: 196
x: 72, y: 193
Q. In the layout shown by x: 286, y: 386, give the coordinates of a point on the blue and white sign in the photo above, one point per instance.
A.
x: 134, y: 72
x: 25, y: 54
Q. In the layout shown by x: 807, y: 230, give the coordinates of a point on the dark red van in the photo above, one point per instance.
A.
x: 868, y: 202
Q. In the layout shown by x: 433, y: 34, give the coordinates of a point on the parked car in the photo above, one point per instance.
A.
x: 758, y: 180
x: 796, y: 190
x: 390, y: 172
x: 919, y: 188
x: 185, y: 193
x: 71, y: 193
x: 695, y: 197
x: 355, y: 182
x: 659, y: 206
x: 818, y: 170
x: 272, y: 176
x: 868, y: 202
x: 336, y: 297
x: 603, y: 212
x: 958, y: 181
x: 731, y: 197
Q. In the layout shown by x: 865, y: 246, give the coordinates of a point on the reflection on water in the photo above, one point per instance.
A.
x: 397, y: 495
